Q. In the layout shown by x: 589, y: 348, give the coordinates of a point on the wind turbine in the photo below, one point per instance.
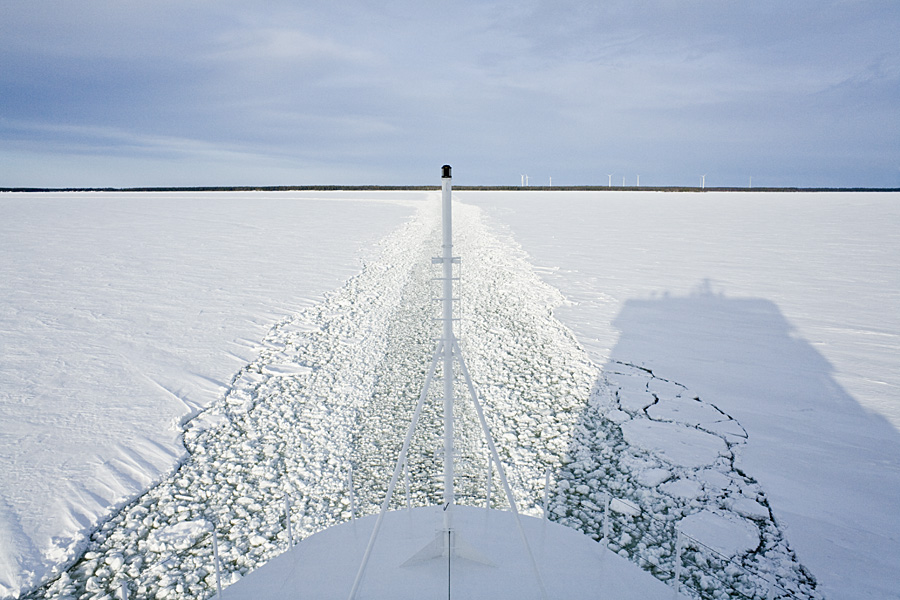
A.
x: 523, y: 181
x: 526, y: 179
x: 610, y: 179
x: 551, y: 181
x: 639, y: 181
x: 703, y: 181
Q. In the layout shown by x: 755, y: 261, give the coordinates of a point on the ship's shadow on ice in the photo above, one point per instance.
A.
x: 712, y: 405
x: 810, y: 442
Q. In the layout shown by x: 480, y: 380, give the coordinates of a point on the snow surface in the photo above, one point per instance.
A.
x: 725, y: 534
x: 780, y: 310
x: 698, y: 308
x: 122, y: 315
x: 679, y: 445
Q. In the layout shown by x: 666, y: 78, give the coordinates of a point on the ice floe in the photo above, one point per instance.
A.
x: 324, y: 405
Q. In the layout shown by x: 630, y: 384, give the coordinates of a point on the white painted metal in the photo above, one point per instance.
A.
x: 607, y: 500
x: 547, y: 496
x: 447, y: 349
x: 287, y: 518
x: 352, y: 497
x: 406, y: 476
x: 447, y: 316
x: 218, y: 565
x: 679, y: 549
x: 490, y: 475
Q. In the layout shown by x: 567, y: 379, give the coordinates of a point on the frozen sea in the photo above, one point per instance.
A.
x: 122, y: 315
x: 781, y: 309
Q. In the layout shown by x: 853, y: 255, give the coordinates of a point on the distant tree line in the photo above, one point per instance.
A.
x: 486, y: 188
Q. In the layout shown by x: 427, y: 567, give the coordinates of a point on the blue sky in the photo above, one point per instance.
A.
x: 217, y: 92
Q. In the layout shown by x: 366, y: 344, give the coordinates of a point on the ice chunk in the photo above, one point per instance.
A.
x: 617, y: 416
x: 653, y: 477
x: 635, y: 400
x: 750, y: 508
x: 687, y: 489
x: 728, y: 534
x: 685, y: 410
x: 624, y: 507
x: 714, y: 479
x: 679, y: 445
x: 182, y: 535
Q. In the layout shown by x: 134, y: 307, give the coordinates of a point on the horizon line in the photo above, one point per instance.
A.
x: 534, y: 188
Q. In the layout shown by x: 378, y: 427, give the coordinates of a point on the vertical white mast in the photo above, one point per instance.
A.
x: 449, y: 340
x: 447, y: 349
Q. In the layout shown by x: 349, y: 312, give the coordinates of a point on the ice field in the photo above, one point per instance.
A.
x: 122, y: 315
x: 781, y: 309
x: 726, y: 361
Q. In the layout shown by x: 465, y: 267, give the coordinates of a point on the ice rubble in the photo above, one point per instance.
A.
x: 334, y: 386
x: 122, y: 314
x: 667, y: 482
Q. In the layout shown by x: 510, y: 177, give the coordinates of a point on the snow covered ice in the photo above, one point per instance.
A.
x: 122, y: 316
x: 778, y: 309
x: 643, y: 408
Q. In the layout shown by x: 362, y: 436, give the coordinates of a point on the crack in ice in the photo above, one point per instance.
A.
x: 333, y: 388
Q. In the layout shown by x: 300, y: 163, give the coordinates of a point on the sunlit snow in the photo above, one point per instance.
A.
x: 122, y: 315
x: 723, y: 365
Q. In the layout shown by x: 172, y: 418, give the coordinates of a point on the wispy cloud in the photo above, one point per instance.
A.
x: 576, y: 87
x: 283, y: 44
